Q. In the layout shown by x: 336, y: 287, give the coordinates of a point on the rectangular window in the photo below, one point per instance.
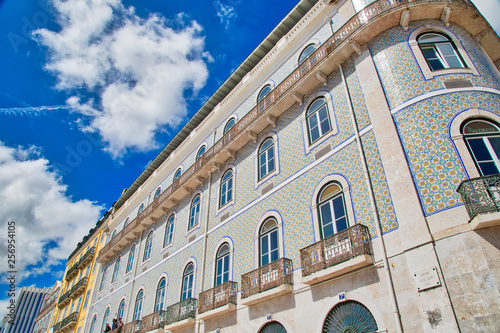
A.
x: 86, y: 299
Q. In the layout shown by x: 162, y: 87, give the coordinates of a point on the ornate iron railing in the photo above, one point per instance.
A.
x: 86, y: 258
x: 72, y: 271
x: 221, y: 295
x: 342, y: 246
x: 78, y: 287
x: 64, y: 297
x: 361, y: 19
x: 56, y: 327
x: 153, y: 321
x: 69, y: 320
x: 183, y: 310
x: 272, y: 275
x: 132, y: 327
x: 481, y: 195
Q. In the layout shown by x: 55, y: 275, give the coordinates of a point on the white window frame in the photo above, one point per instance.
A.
x: 230, y: 203
x: 144, y: 259
x: 124, y: 301
x: 276, y: 170
x: 268, y: 82
x: 193, y: 287
x: 229, y: 241
x: 180, y: 174
x: 156, y: 191
x: 116, y: 269
x: 313, y: 41
x: 139, y: 317
x: 228, y: 189
x: 191, y: 228
x: 277, y: 216
x: 134, y: 246
x: 162, y: 307
x: 174, y: 215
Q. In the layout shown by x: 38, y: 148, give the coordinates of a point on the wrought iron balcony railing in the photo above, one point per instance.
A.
x: 219, y: 296
x: 72, y: 272
x: 185, y: 309
x: 342, y: 246
x: 78, y: 288
x: 69, y: 321
x: 272, y: 275
x: 241, y: 132
x: 64, y: 299
x: 56, y: 327
x: 481, y: 195
x: 86, y: 258
x: 153, y: 321
x: 132, y: 327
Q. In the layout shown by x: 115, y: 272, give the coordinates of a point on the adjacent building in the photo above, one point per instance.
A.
x: 44, y: 318
x: 28, y: 303
x: 343, y: 178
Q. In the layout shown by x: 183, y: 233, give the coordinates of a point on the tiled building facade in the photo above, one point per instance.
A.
x: 317, y: 188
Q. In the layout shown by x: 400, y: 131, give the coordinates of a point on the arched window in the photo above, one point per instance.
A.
x: 273, y: 327
x: 113, y: 234
x: 222, y: 264
x: 483, y: 141
x: 141, y: 208
x: 103, y: 278
x: 231, y: 122
x: 92, y: 324
x: 105, y: 320
x: 127, y: 221
x: 350, y: 316
x: 268, y: 242
x: 177, y: 174
x: 200, y: 152
x: 194, y: 213
x: 160, y: 295
x: 439, y: 51
x: 116, y: 269
x: 187, y: 282
x: 226, y: 188
x: 318, y: 120
x: 266, y: 158
x: 121, y: 309
x: 307, y: 52
x: 331, y: 210
x: 264, y: 92
x: 138, y: 305
x: 130, y: 260
x: 169, y: 231
x: 157, y: 193
x: 148, y: 246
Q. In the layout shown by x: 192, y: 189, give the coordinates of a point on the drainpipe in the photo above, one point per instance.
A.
x: 205, y: 235
x: 390, y: 283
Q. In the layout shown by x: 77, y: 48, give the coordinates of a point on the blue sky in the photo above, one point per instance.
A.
x: 90, y: 92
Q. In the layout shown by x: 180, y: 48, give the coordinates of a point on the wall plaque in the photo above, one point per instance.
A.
x: 427, y: 279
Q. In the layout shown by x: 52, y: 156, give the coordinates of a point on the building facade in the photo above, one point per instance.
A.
x: 79, y: 278
x: 44, y: 319
x: 316, y: 190
x: 28, y: 303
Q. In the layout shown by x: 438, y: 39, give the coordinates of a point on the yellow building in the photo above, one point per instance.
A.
x: 79, y: 279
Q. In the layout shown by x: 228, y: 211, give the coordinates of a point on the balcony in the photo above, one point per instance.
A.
x: 68, y: 323
x: 72, y: 272
x: 153, y: 322
x: 78, y: 288
x: 314, y: 70
x: 218, y: 300
x: 86, y: 258
x: 481, y: 197
x: 64, y: 299
x: 338, y: 254
x: 269, y: 281
x: 181, y: 314
x: 132, y: 327
x: 56, y: 328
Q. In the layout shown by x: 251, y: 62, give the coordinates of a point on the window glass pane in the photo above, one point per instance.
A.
x: 432, y: 38
x: 313, y: 128
x: 264, y: 92
x: 338, y: 207
x: 326, y: 220
x: 488, y: 168
x: 307, y: 51
x: 229, y: 125
x: 479, y: 127
x: 479, y: 149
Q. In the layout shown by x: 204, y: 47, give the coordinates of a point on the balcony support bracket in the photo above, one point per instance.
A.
x: 445, y: 16
x: 252, y: 136
x: 405, y: 19
x: 297, y: 97
x: 321, y: 77
x: 355, y: 47
x: 271, y: 120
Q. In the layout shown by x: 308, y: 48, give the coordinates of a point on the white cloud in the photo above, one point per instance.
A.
x: 34, y: 198
x: 137, y: 70
x: 490, y: 10
x: 225, y: 13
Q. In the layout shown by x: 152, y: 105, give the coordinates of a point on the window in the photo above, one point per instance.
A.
x: 105, y: 319
x: 194, y: 214
x: 177, y: 174
x: 157, y: 193
x: 350, y: 316
x: 187, y: 282
x: 200, y: 152
x: 439, y: 51
x: 141, y: 208
x: 275, y: 327
x: 147, y: 247
x: 130, y: 260
x: 160, y: 295
x: 127, y: 221
x: 268, y: 242
x: 360, y: 4
x: 86, y: 299
x: 169, y: 231
x: 113, y: 234
x: 331, y: 210
x: 115, y: 270
x: 264, y: 92
x: 222, y: 265
x: 229, y: 125
x: 318, y: 120
x: 266, y: 158
x: 138, y: 305
x: 483, y: 141
x: 226, y: 188
x: 121, y: 309
x: 308, y: 50
x: 103, y: 278
x: 92, y: 324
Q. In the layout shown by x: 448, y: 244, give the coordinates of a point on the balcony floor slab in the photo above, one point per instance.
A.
x: 179, y: 324
x: 217, y: 312
x: 485, y: 221
x: 268, y: 294
x: 339, y: 269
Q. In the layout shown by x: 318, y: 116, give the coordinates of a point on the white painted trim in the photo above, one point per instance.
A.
x: 230, y: 242
x: 231, y: 202
x: 273, y: 135
x: 269, y: 214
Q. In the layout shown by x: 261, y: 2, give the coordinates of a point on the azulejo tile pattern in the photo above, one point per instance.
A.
x: 399, y: 72
x: 357, y: 97
x: 433, y: 160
